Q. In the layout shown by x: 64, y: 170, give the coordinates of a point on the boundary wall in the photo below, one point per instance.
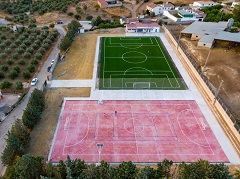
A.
x: 220, y: 111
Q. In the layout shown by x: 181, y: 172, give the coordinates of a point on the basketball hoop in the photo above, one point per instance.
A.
x: 99, y: 148
x: 100, y: 102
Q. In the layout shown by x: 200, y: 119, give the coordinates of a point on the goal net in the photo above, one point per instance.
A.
x: 141, y: 85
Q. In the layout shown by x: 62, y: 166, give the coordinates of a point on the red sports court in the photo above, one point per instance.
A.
x: 140, y: 131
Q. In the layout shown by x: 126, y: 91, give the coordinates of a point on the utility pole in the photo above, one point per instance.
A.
x: 178, y: 39
x: 204, y: 67
x: 216, y: 94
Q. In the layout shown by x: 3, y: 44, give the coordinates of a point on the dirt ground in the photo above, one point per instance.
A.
x: 52, y: 17
x: 42, y: 134
x: 223, y: 64
x: 79, y: 60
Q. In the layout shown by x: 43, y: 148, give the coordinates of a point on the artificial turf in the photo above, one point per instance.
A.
x: 136, y: 63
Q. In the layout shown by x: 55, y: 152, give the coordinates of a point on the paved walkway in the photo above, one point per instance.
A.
x: 17, y: 113
x: 71, y: 83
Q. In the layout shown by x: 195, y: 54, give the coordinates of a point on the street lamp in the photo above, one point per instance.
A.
x: 99, y: 148
x: 216, y: 94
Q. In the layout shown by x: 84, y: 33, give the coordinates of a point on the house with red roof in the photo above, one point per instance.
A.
x: 143, y: 27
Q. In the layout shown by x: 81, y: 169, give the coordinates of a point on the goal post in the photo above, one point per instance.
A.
x: 141, y: 85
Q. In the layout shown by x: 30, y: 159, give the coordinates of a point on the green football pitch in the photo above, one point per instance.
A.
x: 136, y: 63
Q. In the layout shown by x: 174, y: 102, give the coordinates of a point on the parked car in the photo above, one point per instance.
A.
x: 49, y: 68
x: 34, y: 81
x: 52, y: 62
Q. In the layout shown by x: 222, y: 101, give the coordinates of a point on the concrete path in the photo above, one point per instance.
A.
x: 71, y: 83
x: 6, y: 125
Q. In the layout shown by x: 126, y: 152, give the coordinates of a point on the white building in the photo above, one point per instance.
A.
x: 159, y: 8
x: 143, y: 27
x: 154, y: 8
x: 207, y: 32
x: 235, y: 3
x: 184, y: 15
x: 203, y: 4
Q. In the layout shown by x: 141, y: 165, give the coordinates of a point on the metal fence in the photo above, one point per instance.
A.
x: 210, y: 86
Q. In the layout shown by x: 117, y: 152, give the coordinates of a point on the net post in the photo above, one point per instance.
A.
x: 99, y: 148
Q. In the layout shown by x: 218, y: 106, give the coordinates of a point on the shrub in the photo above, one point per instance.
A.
x: 20, y: 50
x: 52, y: 25
x: 45, y: 27
x: 42, y: 50
x: 46, y: 46
x: 21, y: 62
x: 27, y: 55
x: 1, y: 75
x: 70, y: 14
x: 34, y: 61
x: 9, y: 61
x: 38, y: 55
x: 5, y: 84
x: 3, y: 55
x: 31, y: 38
x: 32, y: 25
x: 3, y: 45
x: 13, y: 45
x: 13, y: 74
x: 27, y: 42
x: 37, y: 42
x: 23, y: 46
x: 22, y: 38
x: 89, y: 17
x: 3, y: 37
x: 26, y: 74
x: 35, y: 46
x: 16, y: 68
x: 18, y: 85
x: 31, y: 68
x: 4, y: 68
x: 77, y: 16
x: 15, y: 55
x: 30, y: 50
x: 8, y: 51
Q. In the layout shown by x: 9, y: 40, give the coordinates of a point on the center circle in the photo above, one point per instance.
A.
x: 134, y: 126
x: 134, y: 57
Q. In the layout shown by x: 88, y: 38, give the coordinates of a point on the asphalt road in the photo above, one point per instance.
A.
x: 17, y: 113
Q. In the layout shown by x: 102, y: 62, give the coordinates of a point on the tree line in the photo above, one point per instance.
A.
x: 216, y: 14
x: 19, y: 136
x: 69, y: 37
x: 29, y: 167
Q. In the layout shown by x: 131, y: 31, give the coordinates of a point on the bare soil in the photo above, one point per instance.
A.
x: 42, y: 134
x: 80, y: 58
x: 54, y: 16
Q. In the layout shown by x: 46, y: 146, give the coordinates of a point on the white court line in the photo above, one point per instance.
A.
x: 135, y: 57
x: 88, y: 126
x: 200, y: 126
x: 187, y: 136
x: 167, y: 61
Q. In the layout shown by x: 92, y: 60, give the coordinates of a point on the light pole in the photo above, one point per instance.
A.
x: 204, y: 67
x: 216, y: 94
x: 99, y: 148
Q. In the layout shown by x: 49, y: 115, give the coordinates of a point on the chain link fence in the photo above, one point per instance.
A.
x: 210, y: 86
